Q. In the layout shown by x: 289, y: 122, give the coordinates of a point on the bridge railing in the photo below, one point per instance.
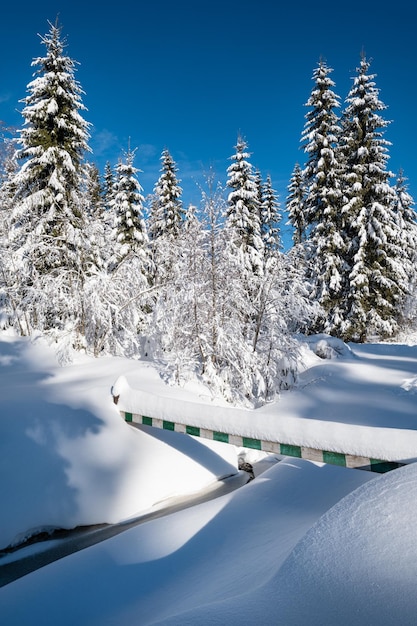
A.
x: 282, y: 448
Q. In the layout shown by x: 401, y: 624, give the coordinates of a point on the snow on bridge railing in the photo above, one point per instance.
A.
x: 285, y: 449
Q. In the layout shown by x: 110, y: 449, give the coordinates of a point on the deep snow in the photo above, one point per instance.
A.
x: 304, y: 543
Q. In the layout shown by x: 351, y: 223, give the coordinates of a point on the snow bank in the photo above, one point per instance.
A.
x: 68, y: 459
x: 357, y: 565
x: 365, y: 556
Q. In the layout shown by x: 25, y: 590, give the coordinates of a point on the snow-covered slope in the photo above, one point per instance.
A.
x: 66, y: 456
x: 304, y: 543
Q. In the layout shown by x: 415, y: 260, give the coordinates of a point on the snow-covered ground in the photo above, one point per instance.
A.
x: 304, y: 543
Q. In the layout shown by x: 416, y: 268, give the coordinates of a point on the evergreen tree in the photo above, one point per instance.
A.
x: 128, y: 205
x: 377, y: 278
x: 270, y: 218
x: 243, y: 212
x: 8, y: 168
x: 48, y: 248
x: 166, y: 220
x: 406, y: 219
x: 322, y: 204
x: 167, y: 213
x: 259, y: 187
x: 107, y: 222
x: 320, y: 136
x: 54, y: 140
x: 295, y: 205
x: 118, y: 297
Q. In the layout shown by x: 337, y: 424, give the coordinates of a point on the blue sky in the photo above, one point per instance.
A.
x: 190, y: 75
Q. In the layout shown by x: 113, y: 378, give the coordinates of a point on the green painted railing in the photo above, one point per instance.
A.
x: 285, y: 449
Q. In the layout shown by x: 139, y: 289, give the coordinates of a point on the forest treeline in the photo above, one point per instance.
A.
x: 205, y: 290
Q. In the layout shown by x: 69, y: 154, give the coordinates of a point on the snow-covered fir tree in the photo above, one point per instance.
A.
x: 92, y: 204
x: 270, y: 218
x: 47, y: 246
x: 131, y: 259
x: 259, y: 354
x: 259, y: 186
x: 108, y: 187
x: 377, y: 282
x: 118, y: 296
x: 8, y: 168
x: 166, y: 219
x: 128, y: 204
x: 167, y: 212
x: 323, y: 200
x: 243, y: 249
x: 243, y: 220
x: 102, y: 226
x: 98, y: 227
x: 295, y: 205
x: 407, y: 224
x: 319, y: 137
x: 406, y: 218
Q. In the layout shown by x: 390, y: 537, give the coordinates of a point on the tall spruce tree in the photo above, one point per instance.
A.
x: 8, y: 168
x: 128, y: 205
x: 166, y: 221
x: 406, y: 218
x: 320, y: 136
x: 377, y: 281
x: 295, y: 205
x: 54, y: 141
x: 47, y: 245
x: 167, y: 213
x: 322, y: 204
x: 243, y: 211
x: 270, y: 218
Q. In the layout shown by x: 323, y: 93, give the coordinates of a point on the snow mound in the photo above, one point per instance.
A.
x: 327, y: 347
x: 358, y: 564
